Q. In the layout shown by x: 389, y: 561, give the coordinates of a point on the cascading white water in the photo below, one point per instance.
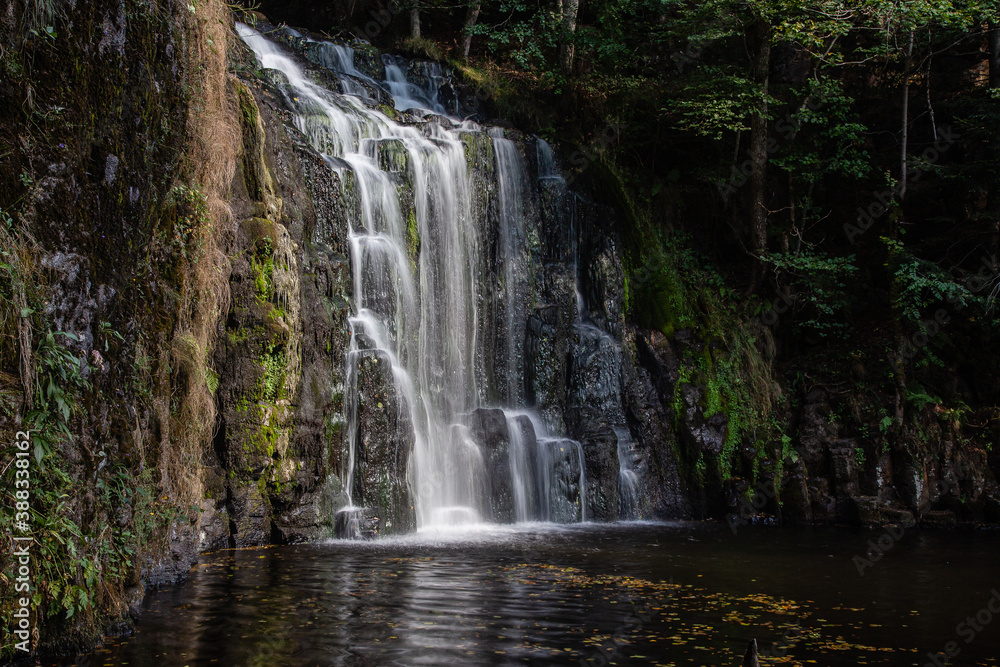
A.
x: 547, y: 161
x: 407, y: 95
x: 340, y: 58
x: 415, y: 255
x: 515, y: 269
x: 548, y: 474
x: 628, y: 476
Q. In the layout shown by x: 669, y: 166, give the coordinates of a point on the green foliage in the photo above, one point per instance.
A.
x: 885, y: 424
x: 78, y: 562
x: 212, y: 380
x: 716, y: 102
x: 822, y: 284
x: 681, y: 287
x: 58, y: 379
x: 421, y: 48
x: 7, y: 221
x: 527, y: 38
x: 788, y: 452
x: 108, y: 334
x: 918, y: 283
x: 412, y: 237
x: 75, y: 563
x: 920, y: 399
x: 827, y: 138
x: 262, y: 266
x: 274, y: 365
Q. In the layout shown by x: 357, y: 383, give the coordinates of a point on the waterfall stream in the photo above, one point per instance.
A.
x: 421, y: 453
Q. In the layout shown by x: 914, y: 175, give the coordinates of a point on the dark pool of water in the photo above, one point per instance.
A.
x: 642, y: 594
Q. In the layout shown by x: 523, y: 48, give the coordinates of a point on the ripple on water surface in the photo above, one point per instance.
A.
x: 654, y: 594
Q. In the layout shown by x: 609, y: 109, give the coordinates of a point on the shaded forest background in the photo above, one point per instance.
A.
x: 835, y: 161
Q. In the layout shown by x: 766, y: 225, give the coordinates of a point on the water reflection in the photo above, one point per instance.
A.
x: 591, y: 594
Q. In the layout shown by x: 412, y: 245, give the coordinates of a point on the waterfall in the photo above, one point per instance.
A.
x: 546, y: 161
x: 418, y: 257
x: 548, y: 474
x: 628, y: 476
x: 339, y: 58
x: 514, y: 261
x: 407, y: 95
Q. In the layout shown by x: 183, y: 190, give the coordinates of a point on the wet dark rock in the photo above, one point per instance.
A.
x: 600, y: 450
x: 939, y: 519
x: 796, y: 506
x: 603, y: 285
x: 896, y: 516
x: 489, y: 429
x: 563, y: 494
x: 529, y: 458
x: 384, y: 442
x: 250, y: 521
x: 594, y: 376
x: 664, y: 492
x: 815, y: 432
x: 708, y: 434
x: 353, y: 523
x: 822, y: 503
x: 842, y: 463
x: 306, y: 517
x: 545, y: 355
x: 910, y: 485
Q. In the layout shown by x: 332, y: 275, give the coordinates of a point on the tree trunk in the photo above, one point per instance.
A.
x: 567, y: 50
x: 758, y: 150
x: 470, y: 24
x: 906, y: 121
x: 994, y: 55
x: 415, y: 21
x: 898, y: 322
x: 993, y: 191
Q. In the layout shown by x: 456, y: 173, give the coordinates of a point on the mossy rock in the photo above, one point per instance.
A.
x: 412, y: 236
x: 479, y: 152
x: 392, y: 155
x: 257, y: 177
x: 258, y: 229
x: 390, y: 112
x: 368, y: 60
